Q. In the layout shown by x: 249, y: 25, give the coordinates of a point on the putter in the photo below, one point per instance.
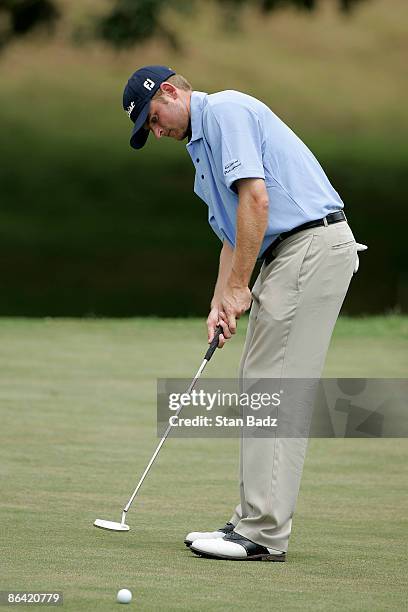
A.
x: 122, y: 526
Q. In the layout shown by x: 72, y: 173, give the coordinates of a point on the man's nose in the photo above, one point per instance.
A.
x: 157, y: 131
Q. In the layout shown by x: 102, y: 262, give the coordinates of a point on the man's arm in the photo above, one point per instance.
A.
x: 224, y: 271
x: 252, y: 221
x: 234, y: 297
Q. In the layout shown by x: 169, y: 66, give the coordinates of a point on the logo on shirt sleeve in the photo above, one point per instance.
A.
x: 235, y: 163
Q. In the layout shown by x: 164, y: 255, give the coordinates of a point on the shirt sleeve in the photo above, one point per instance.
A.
x: 235, y: 136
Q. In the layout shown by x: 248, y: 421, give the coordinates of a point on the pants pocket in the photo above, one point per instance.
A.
x: 343, y: 245
x: 340, y: 236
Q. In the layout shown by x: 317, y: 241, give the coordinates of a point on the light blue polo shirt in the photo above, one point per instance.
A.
x: 236, y: 136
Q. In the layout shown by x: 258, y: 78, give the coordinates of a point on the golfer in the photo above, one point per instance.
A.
x: 268, y: 198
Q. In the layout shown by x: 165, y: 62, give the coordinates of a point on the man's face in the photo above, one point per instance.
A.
x: 169, y: 118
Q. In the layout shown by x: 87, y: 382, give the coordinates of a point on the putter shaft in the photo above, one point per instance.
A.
x: 206, y: 359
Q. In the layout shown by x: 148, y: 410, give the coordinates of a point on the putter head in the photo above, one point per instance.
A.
x: 111, y: 525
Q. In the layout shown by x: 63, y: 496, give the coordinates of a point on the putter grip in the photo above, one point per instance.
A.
x: 214, y: 343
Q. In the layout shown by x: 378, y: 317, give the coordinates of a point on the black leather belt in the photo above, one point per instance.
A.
x: 334, y: 217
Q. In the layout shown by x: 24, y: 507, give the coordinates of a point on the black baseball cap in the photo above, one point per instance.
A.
x: 137, y: 96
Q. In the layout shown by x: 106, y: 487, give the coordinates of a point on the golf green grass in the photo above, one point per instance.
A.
x: 78, y: 419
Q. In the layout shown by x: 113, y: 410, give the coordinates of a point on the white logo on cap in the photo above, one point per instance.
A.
x: 130, y: 108
x: 149, y: 84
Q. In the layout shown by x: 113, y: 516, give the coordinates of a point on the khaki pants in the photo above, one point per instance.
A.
x: 296, y: 302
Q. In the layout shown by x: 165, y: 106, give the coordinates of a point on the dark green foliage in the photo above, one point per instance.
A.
x: 270, y: 5
x: 89, y: 227
x: 25, y: 15
x: 131, y: 21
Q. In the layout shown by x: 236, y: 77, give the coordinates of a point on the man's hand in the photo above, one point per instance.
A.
x: 234, y: 301
x: 214, y: 319
x: 231, y: 304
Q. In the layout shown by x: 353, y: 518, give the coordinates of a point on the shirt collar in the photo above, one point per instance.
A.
x: 197, y: 103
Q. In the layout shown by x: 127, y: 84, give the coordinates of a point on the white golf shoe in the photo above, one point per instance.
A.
x: 208, y: 535
x: 235, y: 547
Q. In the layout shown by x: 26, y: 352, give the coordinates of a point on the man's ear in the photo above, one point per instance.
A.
x: 169, y: 89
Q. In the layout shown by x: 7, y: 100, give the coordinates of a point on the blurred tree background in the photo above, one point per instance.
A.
x: 90, y: 227
x: 127, y: 22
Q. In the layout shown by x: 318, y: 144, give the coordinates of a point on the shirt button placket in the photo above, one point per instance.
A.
x: 198, y: 161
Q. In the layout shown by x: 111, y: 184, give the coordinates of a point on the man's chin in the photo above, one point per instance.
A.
x: 178, y: 136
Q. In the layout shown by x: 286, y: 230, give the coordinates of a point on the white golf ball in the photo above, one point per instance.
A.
x: 124, y: 596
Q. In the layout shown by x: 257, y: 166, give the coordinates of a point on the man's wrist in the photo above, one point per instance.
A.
x: 215, y: 302
x: 236, y: 281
